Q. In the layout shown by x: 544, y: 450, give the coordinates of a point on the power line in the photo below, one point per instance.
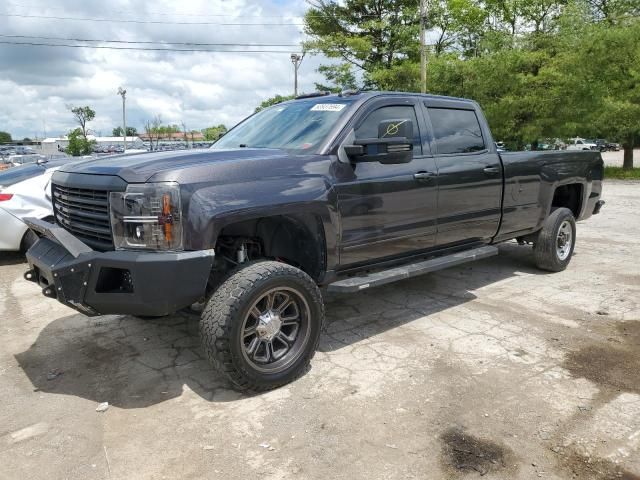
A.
x: 143, y: 42
x: 194, y: 14
x: 156, y: 22
x: 152, y: 49
x: 157, y: 14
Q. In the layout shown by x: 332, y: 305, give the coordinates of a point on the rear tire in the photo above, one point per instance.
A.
x: 554, y: 246
x: 261, y: 327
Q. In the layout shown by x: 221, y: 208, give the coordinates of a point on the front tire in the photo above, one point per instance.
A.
x: 262, y: 325
x: 554, y: 246
x: 28, y: 240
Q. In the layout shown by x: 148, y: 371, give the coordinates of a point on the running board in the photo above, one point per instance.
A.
x: 375, y: 279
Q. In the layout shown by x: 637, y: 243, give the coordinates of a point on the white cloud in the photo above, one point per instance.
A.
x: 200, y: 89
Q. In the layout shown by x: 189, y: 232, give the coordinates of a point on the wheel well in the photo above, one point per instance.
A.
x: 568, y: 196
x: 294, y: 239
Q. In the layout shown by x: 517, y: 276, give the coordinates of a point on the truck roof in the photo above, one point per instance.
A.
x: 366, y: 94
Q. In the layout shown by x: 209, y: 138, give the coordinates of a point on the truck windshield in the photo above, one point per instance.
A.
x: 299, y: 126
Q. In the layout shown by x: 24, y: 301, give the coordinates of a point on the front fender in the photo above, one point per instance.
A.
x: 212, y: 208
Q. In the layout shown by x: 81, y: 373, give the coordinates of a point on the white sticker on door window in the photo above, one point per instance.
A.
x: 327, y: 107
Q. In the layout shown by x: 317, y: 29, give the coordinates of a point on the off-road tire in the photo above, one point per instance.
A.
x: 223, y: 315
x: 545, y: 247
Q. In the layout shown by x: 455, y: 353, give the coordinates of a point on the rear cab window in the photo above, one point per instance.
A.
x: 456, y: 131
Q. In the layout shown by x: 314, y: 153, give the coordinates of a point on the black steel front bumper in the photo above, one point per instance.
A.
x: 115, y: 282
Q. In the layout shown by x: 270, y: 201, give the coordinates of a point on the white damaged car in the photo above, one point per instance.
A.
x: 25, y: 191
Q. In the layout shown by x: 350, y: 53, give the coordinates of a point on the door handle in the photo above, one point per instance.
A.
x: 491, y: 169
x: 425, y: 176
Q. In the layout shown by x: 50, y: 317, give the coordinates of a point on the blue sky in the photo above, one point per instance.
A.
x: 38, y: 83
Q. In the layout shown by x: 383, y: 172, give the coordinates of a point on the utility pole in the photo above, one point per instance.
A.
x: 296, y: 60
x: 123, y: 93
x: 423, y: 47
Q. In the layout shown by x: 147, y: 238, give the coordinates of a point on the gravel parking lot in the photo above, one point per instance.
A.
x: 492, y: 369
x: 616, y: 159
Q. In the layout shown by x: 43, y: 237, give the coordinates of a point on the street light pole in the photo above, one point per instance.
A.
x: 296, y: 60
x: 423, y: 47
x: 123, y: 93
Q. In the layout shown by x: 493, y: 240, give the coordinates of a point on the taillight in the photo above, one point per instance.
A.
x: 5, y: 196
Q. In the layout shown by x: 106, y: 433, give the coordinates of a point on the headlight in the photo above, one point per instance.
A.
x: 147, y: 216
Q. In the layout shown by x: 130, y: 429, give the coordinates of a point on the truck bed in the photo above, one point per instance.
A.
x: 530, y: 178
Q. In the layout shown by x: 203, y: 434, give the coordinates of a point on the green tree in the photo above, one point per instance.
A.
x: 273, y: 101
x: 5, y: 137
x: 214, y: 133
x: 83, y: 115
x: 131, y: 132
x: 365, y: 34
x: 602, y: 98
x: 340, y: 76
x: 78, y: 144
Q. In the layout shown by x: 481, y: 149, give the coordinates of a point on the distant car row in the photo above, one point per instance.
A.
x: 577, y: 143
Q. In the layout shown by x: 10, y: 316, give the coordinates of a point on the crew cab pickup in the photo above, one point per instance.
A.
x: 335, y: 193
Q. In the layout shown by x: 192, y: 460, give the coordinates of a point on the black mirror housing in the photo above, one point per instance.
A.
x: 387, y: 151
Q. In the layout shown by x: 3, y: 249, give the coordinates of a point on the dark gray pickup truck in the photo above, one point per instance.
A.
x: 344, y: 192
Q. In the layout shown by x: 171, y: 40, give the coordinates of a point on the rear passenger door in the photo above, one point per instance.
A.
x: 469, y: 173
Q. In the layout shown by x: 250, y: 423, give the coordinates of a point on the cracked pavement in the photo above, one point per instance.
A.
x: 491, y: 369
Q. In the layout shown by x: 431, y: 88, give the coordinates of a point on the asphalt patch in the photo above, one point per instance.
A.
x: 464, y: 452
x: 614, y: 365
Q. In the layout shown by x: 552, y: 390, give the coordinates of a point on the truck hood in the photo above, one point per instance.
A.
x: 138, y: 168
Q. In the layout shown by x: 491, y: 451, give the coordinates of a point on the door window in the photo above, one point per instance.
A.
x: 369, y: 128
x: 456, y: 131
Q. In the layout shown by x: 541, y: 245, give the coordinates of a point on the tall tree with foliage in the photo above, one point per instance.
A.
x: 368, y: 35
x: 604, y: 95
x: 83, y: 115
x: 5, y: 137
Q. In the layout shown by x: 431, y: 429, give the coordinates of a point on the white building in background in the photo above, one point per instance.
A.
x: 50, y: 146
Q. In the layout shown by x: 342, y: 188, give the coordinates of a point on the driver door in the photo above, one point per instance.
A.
x: 387, y: 210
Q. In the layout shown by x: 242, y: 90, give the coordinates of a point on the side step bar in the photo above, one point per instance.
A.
x: 375, y: 279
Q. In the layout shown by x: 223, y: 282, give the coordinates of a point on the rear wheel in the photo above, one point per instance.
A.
x: 554, y: 246
x: 262, y: 325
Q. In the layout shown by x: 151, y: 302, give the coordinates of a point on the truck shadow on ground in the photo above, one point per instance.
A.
x: 133, y: 363
x: 11, y: 258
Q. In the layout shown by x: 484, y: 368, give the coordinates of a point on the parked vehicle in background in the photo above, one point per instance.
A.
x: 347, y: 192
x: 582, y: 144
x: 25, y: 191
x: 23, y: 159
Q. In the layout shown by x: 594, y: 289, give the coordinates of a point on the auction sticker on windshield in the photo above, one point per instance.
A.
x: 327, y: 107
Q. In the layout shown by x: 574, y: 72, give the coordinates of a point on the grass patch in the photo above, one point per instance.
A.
x: 619, y: 174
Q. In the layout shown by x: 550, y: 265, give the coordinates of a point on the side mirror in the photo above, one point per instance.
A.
x: 394, y: 144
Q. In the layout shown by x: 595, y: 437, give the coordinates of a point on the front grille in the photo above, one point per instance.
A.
x: 84, y: 213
